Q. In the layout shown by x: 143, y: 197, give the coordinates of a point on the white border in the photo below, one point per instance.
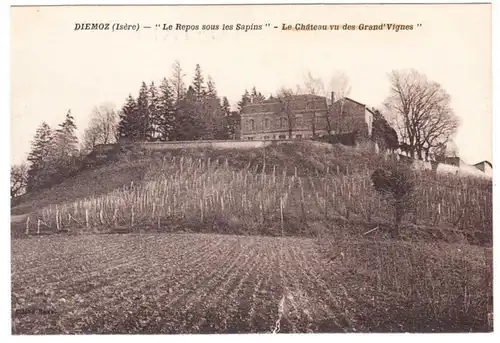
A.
x: 5, y: 212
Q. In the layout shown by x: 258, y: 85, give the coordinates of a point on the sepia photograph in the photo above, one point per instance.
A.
x: 251, y: 168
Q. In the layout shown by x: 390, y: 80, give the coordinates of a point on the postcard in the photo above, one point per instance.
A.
x: 215, y: 169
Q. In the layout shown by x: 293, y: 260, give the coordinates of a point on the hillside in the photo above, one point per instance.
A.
x: 257, y: 190
x: 133, y: 165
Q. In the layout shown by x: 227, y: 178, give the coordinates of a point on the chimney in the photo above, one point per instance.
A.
x: 333, y: 97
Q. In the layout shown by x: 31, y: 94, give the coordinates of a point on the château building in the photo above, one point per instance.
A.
x: 309, y: 116
x: 304, y: 116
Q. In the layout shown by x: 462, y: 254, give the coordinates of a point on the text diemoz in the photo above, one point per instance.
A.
x: 106, y: 27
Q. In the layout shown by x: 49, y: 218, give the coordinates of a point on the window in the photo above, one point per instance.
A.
x: 252, y: 125
x: 282, y: 137
x: 283, y: 122
x: 250, y: 138
x: 267, y: 123
x: 266, y: 137
x: 298, y: 136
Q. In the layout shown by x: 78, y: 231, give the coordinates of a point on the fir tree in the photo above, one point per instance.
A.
x: 188, y: 125
x: 155, y: 113
x: 39, y: 172
x: 245, y: 100
x: 65, y: 136
x: 212, y: 119
x: 167, y: 110
x: 226, y: 108
x: 256, y: 97
x: 143, y: 133
x: 198, y: 83
x: 128, y: 127
x: 65, y: 147
x: 211, y: 92
x: 225, y: 130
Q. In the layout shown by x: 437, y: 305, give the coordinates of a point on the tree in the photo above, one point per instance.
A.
x: 65, y: 137
x: 383, y: 133
x: 144, y: 127
x: 396, y: 182
x: 166, y: 124
x: 231, y: 120
x: 188, y: 125
x: 155, y: 113
x: 198, y: 83
x: 421, y: 113
x: 225, y: 131
x: 39, y: 173
x: 177, y: 81
x: 288, y: 102
x: 256, y: 97
x: 226, y: 108
x: 211, y: 92
x: 211, y: 116
x: 313, y: 86
x: 444, y: 151
x: 102, y: 127
x: 234, y: 125
x: 338, y: 85
x: 18, y: 179
x: 245, y: 100
x: 65, y: 148
x: 128, y: 127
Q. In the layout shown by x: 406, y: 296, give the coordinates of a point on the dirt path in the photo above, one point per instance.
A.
x: 171, y: 283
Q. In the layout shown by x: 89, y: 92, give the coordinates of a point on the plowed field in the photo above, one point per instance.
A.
x: 171, y: 283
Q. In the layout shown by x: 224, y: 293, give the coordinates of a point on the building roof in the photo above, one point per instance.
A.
x: 299, y: 102
x: 351, y: 100
x: 488, y: 162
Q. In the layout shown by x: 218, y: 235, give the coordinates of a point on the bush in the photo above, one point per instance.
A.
x: 395, y: 180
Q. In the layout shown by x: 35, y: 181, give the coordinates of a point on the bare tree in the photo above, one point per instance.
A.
x: 442, y: 151
x: 287, y: 98
x: 18, y: 179
x: 102, y: 127
x: 177, y: 81
x: 420, y: 111
x: 313, y: 86
x: 338, y: 85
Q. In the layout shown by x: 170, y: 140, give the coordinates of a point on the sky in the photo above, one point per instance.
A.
x: 55, y: 68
